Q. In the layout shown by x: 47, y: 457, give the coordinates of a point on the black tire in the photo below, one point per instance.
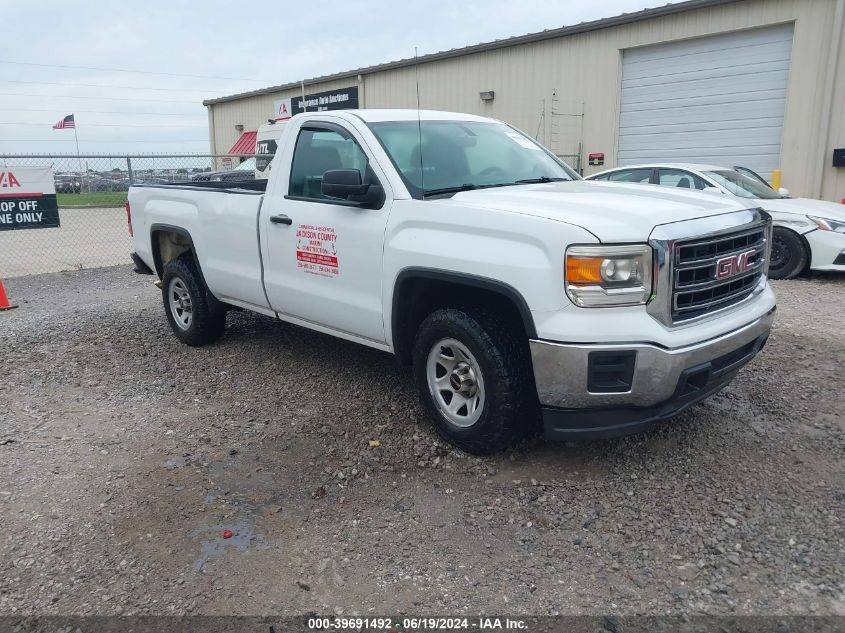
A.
x: 510, y: 406
x: 207, y: 316
x: 789, y: 255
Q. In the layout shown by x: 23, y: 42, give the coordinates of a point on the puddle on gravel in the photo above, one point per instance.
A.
x: 173, y: 463
x: 243, y: 537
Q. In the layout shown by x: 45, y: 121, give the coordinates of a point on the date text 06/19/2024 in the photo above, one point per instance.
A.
x: 415, y: 624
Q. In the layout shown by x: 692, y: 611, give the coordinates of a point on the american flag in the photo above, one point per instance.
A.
x: 67, y: 122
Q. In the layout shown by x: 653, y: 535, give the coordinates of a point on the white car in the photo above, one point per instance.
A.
x: 807, y: 233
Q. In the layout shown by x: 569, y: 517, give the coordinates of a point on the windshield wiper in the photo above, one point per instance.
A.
x: 470, y: 186
x: 464, y: 187
x: 541, y: 179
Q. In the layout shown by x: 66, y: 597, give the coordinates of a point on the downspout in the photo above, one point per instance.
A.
x: 827, y: 103
x: 212, y: 142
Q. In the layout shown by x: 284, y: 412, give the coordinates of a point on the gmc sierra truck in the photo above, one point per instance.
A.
x: 516, y: 291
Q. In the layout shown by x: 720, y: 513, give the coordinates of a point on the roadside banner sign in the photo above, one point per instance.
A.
x: 27, y: 198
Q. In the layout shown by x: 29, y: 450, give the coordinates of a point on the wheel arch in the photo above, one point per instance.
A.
x: 805, y: 242
x: 418, y: 290
x: 802, y: 237
x: 165, y: 248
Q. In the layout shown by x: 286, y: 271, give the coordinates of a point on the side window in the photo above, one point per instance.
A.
x: 679, y: 178
x: 631, y: 175
x: 602, y: 177
x: 319, y: 151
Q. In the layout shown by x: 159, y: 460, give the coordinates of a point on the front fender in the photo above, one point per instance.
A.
x: 520, y: 254
x: 797, y: 222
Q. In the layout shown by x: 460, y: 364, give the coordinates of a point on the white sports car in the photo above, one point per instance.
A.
x: 807, y: 233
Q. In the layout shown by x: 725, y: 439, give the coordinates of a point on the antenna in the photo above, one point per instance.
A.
x: 419, y: 122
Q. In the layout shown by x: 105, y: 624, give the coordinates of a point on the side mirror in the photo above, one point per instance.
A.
x: 714, y: 190
x: 784, y: 192
x: 343, y: 183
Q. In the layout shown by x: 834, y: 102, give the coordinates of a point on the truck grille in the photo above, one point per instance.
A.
x: 714, y: 273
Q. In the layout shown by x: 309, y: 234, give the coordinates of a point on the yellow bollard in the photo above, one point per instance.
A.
x: 776, y: 179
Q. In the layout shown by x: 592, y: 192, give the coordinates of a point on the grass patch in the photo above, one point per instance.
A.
x: 101, y: 199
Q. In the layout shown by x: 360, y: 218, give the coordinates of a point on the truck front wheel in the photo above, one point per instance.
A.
x: 474, y: 377
x: 194, y: 315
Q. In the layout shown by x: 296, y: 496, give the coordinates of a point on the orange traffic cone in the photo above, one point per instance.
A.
x: 4, y: 300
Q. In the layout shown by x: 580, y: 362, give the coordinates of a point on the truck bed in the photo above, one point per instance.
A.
x: 219, y: 219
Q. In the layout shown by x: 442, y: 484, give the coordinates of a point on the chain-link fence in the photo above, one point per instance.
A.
x: 91, y: 192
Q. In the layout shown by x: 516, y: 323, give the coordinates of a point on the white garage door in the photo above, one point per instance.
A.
x: 716, y: 99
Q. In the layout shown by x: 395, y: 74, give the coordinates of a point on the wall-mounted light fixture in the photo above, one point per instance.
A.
x: 487, y: 95
x: 239, y: 127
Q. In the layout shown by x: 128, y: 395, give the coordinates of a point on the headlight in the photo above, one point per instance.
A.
x: 828, y: 225
x: 604, y: 276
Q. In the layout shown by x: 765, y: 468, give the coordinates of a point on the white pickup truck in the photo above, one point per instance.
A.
x: 515, y: 290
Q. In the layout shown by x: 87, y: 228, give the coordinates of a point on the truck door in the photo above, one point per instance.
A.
x: 322, y: 255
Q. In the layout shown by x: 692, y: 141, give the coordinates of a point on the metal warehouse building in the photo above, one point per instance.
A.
x: 758, y: 83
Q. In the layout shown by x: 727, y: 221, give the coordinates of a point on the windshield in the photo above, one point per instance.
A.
x: 443, y: 157
x: 742, y: 186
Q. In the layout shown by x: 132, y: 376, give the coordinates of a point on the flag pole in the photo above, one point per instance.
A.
x: 79, y: 156
x: 75, y: 136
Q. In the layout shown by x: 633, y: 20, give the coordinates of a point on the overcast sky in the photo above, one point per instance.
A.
x: 191, y: 51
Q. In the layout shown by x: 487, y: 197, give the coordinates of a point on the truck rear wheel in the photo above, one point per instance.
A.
x: 195, y: 316
x: 474, y: 377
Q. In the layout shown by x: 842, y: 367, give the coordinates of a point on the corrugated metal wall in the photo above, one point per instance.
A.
x: 832, y: 179
x: 539, y: 86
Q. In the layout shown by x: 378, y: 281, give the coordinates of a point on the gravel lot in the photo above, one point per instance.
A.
x: 124, y: 455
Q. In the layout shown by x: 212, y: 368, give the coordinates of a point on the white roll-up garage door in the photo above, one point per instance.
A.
x: 717, y: 99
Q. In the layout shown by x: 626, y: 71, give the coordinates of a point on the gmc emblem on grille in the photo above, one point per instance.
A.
x: 734, y: 264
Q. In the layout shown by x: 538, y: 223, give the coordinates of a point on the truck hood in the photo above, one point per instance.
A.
x: 805, y: 206
x: 613, y: 212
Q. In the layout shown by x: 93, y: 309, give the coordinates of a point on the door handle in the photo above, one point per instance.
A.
x: 281, y: 219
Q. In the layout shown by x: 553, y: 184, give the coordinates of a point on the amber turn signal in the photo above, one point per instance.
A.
x: 584, y: 270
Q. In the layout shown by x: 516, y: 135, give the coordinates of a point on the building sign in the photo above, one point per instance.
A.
x: 27, y: 198
x: 340, y: 99
x: 281, y: 109
x: 596, y: 158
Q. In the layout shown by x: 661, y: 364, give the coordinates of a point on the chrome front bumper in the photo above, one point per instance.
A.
x: 561, y: 369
